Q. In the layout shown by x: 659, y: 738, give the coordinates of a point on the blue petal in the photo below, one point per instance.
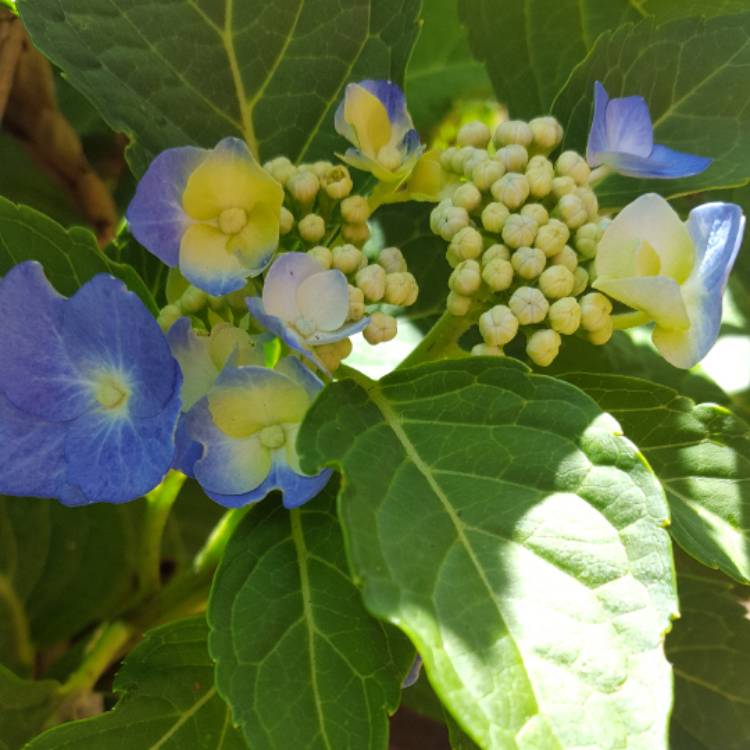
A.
x: 115, y: 459
x: 597, y: 142
x: 235, y: 146
x: 392, y: 98
x: 35, y: 371
x: 629, y: 128
x: 187, y: 451
x: 155, y: 214
x: 410, y: 142
x: 663, y: 163
x: 340, y: 333
x: 297, y: 372
x: 32, y: 459
x: 106, y: 326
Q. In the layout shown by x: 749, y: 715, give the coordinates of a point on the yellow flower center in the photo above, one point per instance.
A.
x: 272, y: 437
x: 111, y: 392
x: 390, y: 158
x: 232, y: 220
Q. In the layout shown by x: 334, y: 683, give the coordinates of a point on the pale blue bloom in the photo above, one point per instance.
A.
x: 622, y: 137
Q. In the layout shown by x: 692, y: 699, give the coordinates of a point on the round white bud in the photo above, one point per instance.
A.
x: 494, y: 216
x: 595, y: 311
x: 485, y: 350
x: 498, y: 274
x: 474, y: 133
x: 457, y: 304
x: 547, y: 133
x: 467, y: 196
x: 551, y: 238
x: 337, y: 182
x: 513, y: 131
x: 566, y: 257
x: 356, y: 304
x: 511, y: 189
x: 452, y: 257
x: 321, y: 254
x: 587, y: 239
x: 286, y: 221
x: 193, y: 300
x: 168, y: 316
x: 381, y: 328
x: 519, y: 230
x: 528, y: 262
x: 562, y: 186
x: 486, y: 172
x: 495, y: 251
x: 281, y: 169
x: 537, y: 212
x: 347, y: 258
x: 436, y: 215
x: 459, y: 157
x: 571, y: 210
x: 498, y: 325
x: 466, y: 278
x: 311, y: 228
x: 543, y: 346
x: 392, y: 259
x: 602, y: 335
x: 332, y: 354
x: 581, y: 277
x: 572, y: 164
x: 529, y: 305
x: 476, y: 157
x: 565, y: 315
x: 446, y: 158
x: 556, y: 282
x: 540, y: 174
x: 321, y: 168
x: 514, y: 157
x: 589, y: 200
x: 467, y: 243
x: 371, y: 280
x: 452, y: 219
x: 303, y: 187
x: 355, y: 209
x: 401, y: 288
x: 357, y: 234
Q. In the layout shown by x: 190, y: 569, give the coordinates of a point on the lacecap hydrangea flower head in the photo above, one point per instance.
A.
x: 89, y: 392
x: 373, y: 117
x: 214, y: 213
x: 673, y: 273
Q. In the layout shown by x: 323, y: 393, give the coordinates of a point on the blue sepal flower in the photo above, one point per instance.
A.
x: 89, y: 392
x: 622, y: 137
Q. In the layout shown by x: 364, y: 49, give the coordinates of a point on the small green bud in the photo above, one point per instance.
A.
x: 543, y: 347
x: 332, y: 354
x: 466, y: 278
x: 356, y: 304
x: 168, y: 316
x: 498, y: 325
x: 485, y: 350
x: 337, y: 182
x: 551, y: 238
x: 303, y: 187
x: 587, y: 239
x: 571, y: 210
x: 452, y: 257
x: 494, y: 216
x: 589, y: 200
x: 446, y: 158
x: 459, y: 157
x: 476, y: 157
x: 467, y: 196
x: 487, y: 172
x: 436, y: 215
x: 452, y: 219
x: 547, y: 133
x: 540, y: 174
x: 495, y: 251
x: 572, y: 164
x: 381, y: 328
x: 529, y: 305
x: 356, y: 234
x: 556, y: 282
x: 566, y: 257
x: 193, y: 300
x: 602, y: 335
x: 519, y: 230
x: 537, y: 212
x: 281, y: 169
x: 474, y: 133
x: 511, y: 189
x: 355, y: 209
x: 286, y: 221
x: 457, y: 304
x: 595, y: 311
x: 581, y: 277
x: 514, y: 157
x: 467, y: 243
x: 498, y: 274
x: 312, y: 228
x: 392, y: 259
x: 528, y: 262
x: 371, y: 280
x: 513, y: 132
x: 321, y: 254
x: 565, y: 316
x: 562, y: 186
x: 347, y: 258
x: 401, y: 288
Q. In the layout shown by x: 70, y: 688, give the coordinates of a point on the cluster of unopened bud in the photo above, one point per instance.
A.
x: 522, y: 228
x: 318, y: 199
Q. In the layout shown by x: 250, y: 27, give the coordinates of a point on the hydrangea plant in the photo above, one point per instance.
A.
x: 365, y: 363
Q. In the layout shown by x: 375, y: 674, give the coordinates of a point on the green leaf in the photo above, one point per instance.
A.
x: 61, y: 569
x: 25, y: 706
x: 70, y: 257
x: 692, y: 73
x: 442, y: 68
x: 710, y: 650
x: 184, y: 72
x: 501, y: 521
x: 530, y: 46
x: 297, y: 656
x: 167, y: 700
x: 701, y: 454
x: 666, y: 10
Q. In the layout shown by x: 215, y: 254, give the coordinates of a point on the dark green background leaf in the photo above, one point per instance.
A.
x: 298, y: 658
x: 24, y: 708
x: 497, y: 518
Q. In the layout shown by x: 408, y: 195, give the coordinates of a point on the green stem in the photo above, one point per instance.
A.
x: 18, y: 622
x: 211, y: 553
x: 629, y: 320
x: 442, y: 339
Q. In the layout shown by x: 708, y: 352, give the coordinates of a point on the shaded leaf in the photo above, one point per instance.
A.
x: 298, y: 658
x: 25, y: 706
x: 517, y: 539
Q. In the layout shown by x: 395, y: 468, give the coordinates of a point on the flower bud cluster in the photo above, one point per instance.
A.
x: 521, y: 228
